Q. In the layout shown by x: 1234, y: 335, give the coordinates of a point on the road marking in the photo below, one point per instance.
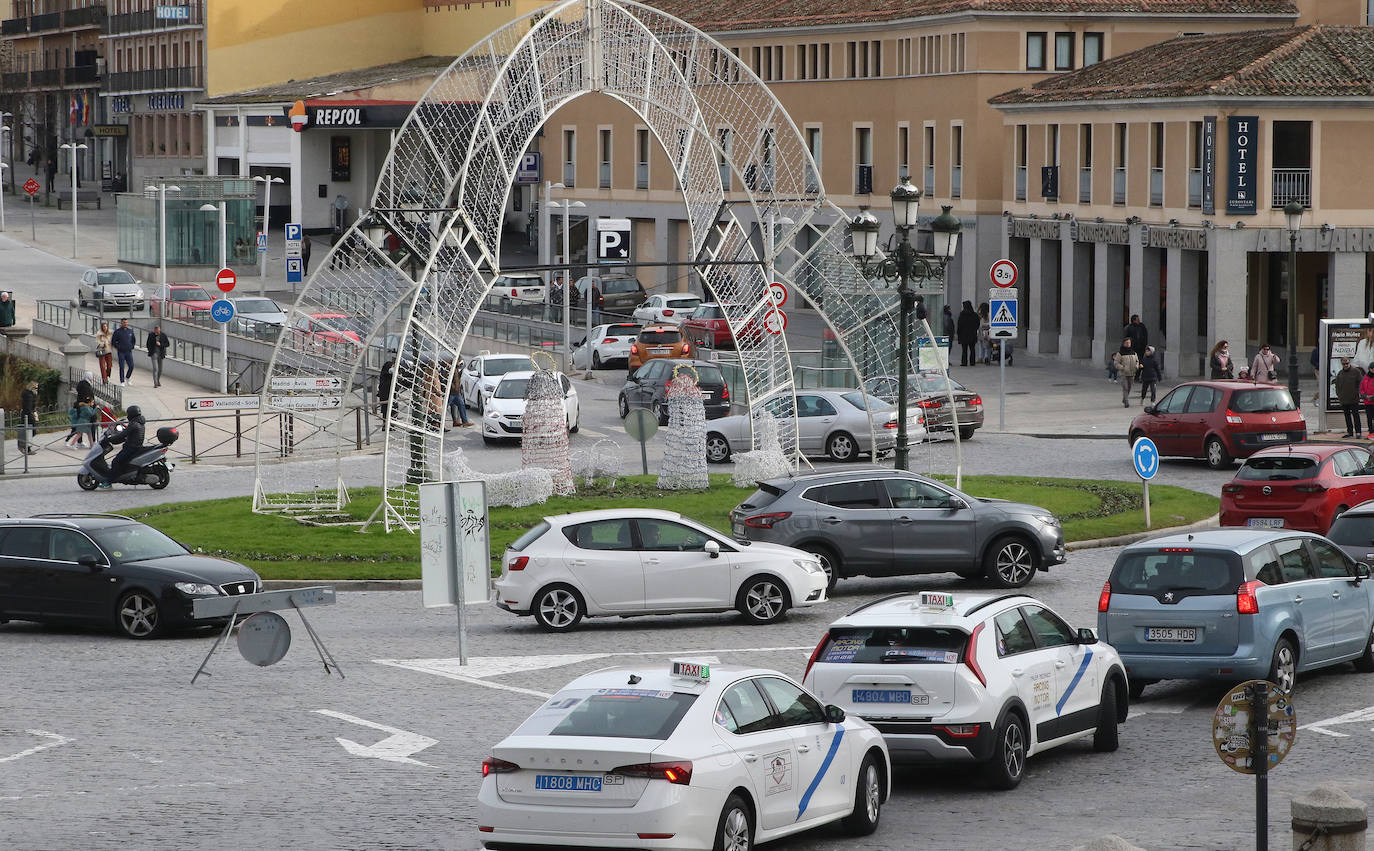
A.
x: 396, y: 747
x: 56, y: 739
x: 106, y: 790
x: 1366, y: 714
x: 1168, y: 706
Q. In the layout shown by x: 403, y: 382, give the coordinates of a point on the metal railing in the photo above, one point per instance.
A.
x: 81, y: 74
x: 50, y: 21
x: 956, y: 181
x: 153, y: 79
x: 604, y: 176
x: 928, y: 181
x: 1119, y: 185
x: 1020, y: 183
x: 641, y: 175
x: 14, y: 26
x: 1292, y: 184
x: 569, y: 172
x: 1194, y: 187
x: 1156, y: 186
x: 1085, y: 185
x: 46, y: 77
x: 148, y: 20
x: 83, y: 16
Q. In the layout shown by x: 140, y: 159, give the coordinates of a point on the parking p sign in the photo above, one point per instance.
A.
x: 613, y: 240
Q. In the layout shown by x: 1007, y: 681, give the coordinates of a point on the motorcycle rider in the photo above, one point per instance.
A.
x: 133, y: 442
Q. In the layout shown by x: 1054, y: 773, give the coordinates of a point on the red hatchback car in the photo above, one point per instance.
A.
x: 1220, y: 420
x: 1302, y: 487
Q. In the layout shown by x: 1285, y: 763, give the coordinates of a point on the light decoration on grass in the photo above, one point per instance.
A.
x: 768, y: 461
x: 684, y: 445
x: 544, y: 437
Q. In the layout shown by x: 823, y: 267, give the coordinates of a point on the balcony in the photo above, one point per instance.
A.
x: 49, y: 77
x: 1194, y: 187
x: 928, y: 180
x: 13, y: 81
x: 1020, y: 183
x: 1085, y: 185
x: 569, y: 172
x: 603, y: 176
x: 1119, y: 185
x: 147, y: 20
x: 1156, y: 186
x: 153, y: 79
x: 87, y: 16
x: 79, y: 74
x: 1292, y: 184
x: 956, y: 181
x: 641, y: 175
x: 14, y: 26
x: 813, y: 181
x: 50, y: 21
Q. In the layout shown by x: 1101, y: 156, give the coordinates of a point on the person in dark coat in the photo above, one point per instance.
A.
x: 1348, y: 394
x: 51, y: 171
x: 1151, y: 371
x: 133, y: 441
x: 947, y: 331
x: 28, y: 417
x: 6, y: 309
x: 968, y: 335
x: 384, y: 388
x: 124, y: 342
x: 157, y: 352
x: 305, y: 256
x: 1136, y: 330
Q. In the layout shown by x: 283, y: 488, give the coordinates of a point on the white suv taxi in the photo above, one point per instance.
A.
x: 971, y: 678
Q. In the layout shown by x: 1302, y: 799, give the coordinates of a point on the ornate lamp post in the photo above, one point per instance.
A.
x: 901, y: 266
x: 1292, y: 211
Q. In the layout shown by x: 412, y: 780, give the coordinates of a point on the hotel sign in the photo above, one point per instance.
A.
x: 1243, y: 142
x: 1209, y: 165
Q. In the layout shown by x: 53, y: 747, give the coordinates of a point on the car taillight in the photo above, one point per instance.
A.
x: 971, y: 654
x: 977, y: 400
x: 1310, y: 488
x: 1105, y: 598
x: 890, y: 424
x: 1232, y: 417
x: 816, y: 654
x: 1232, y: 488
x: 519, y: 562
x: 766, y: 521
x: 492, y: 765
x: 608, y: 340
x: 679, y: 772
x: 686, y: 348
x: 1246, y: 601
x: 634, y: 349
x: 959, y: 731
x: 725, y: 393
x: 667, y: 312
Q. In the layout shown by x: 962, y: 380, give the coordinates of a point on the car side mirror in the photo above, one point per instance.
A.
x: 712, y: 549
x: 91, y: 562
x: 1361, y: 572
x: 1150, y: 409
x: 1086, y: 636
x: 833, y: 714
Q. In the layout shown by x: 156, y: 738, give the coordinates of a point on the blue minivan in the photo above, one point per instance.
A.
x: 1236, y: 604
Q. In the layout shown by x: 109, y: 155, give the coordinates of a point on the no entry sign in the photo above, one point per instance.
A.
x: 225, y: 279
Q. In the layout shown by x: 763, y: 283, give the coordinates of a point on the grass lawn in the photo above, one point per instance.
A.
x: 281, y: 548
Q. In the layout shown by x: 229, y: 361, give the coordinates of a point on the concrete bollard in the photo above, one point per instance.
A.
x: 1110, y: 842
x: 1327, y: 819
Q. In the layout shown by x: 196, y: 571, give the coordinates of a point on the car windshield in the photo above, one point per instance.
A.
x: 932, y: 383
x: 257, y: 305
x: 136, y: 542
x: 622, y: 713
x: 709, y: 311
x: 660, y: 336
x: 1266, y: 400
x: 622, y: 330
x: 709, y: 375
x: 501, y: 366
x: 611, y: 286
x: 511, y: 388
x: 531, y: 536
x: 506, y: 281
x: 865, y: 402
x: 1353, y: 530
x: 119, y: 276
x: 190, y: 294
x: 1278, y: 468
x: 1154, y: 573
x: 895, y: 645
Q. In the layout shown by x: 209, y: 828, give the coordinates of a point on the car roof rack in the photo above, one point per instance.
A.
x: 56, y: 515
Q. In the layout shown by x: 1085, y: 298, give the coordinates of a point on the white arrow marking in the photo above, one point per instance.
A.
x: 1366, y: 714
x: 396, y: 747
x: 57, y: 739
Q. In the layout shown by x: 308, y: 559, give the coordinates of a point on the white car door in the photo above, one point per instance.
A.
x: 1030, y: 669
x: 748, y: 727
x: 1077, y: 685
x: 678, y: 573
x: 815, y: 416
x: 824, y: 765
x: 607, y: 567
x: 468, y: 381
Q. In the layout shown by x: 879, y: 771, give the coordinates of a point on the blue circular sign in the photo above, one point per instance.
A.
x: 1145, y: 457
x: 222, y: 310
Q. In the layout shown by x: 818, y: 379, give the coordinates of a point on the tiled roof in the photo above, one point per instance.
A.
x: 1312, y: 62
x: 717, y: 16
x: 344, y: 81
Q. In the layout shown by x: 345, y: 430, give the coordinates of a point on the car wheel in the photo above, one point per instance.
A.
x: 717, y: 448
x: 868, y: 800
x: 735, y: 830
x: 1217, y: 456
x: 161, y: 478
x: 1008, y: 763
x: 557, y: 608
x: 1365, y: 663
x: 830, y: 563
x: 1136, y: 435
x: 841, y: 447
x: 763, y: 599
x: 138, y: 615
x: 966, y: 433
x: 596, y: 360
x: 661, y: 412
x: 624, y: 406
x: 1105, y: 738
x: 1283, y: 668
x: 86, y: 481
x: 1010, y: 562
x: 1137, y: 688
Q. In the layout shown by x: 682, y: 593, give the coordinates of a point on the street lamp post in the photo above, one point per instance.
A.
x: 565, y: 205
x: 1292, y: 211
x: 223, y: 326
x: 901, y: 266
x: 73, y: 147
x: 266, y: 227
x: 162, y: 189
x: 4, y: 128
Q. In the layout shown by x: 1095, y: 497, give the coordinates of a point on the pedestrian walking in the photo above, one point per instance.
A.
x: 6, y: 309
x: 1264, y: 368
x: 947, y: 330
x: 1127, y: 364
x: 1219, y: 361
x: 104, y: 348
x: 124, y: 341
x: 157, y: 352
x: 457, y: 408
x: 1139, y: 334
x: 595, y: 302
x: 984, y: 334
x: 51, y: 170
x: 85, y: 389
x: 28, y: 417
x: 1348, y: 394
x: 1151, y: 371
x: 968, y: 334
x: 1367, y: 399
x: 305, y: 255
x: 384, y: 388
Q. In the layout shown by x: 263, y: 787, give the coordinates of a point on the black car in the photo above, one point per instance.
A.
x: 648, y: 385
x: 108, y: 570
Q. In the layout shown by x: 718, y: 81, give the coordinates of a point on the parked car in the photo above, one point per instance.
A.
x: 503, y: 416
x: 984, y: 678
x: 483, y: 372
x: 1236, y: 604
x: 829, y: 422
x: 872, y: 521
x: 110, y: 289
x: 931, y: 392
x: 620, y: 293
x: 658, y: 341
x: 707, y: 326
x: 647, y: 387
x: 107, y: 570
x: 1220, y: 420
x: 325, y: 330
x: 180, y: 301
x: 609, y: 343
x: 641, y: 561
x: 666, y: 308
x: 519, y: 288
x: 259, y: 309
x: 1353, y: 532
x: 1299, y: 486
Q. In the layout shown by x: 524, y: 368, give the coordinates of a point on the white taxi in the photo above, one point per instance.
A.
x: 990, y: 678
x: 689, y: 755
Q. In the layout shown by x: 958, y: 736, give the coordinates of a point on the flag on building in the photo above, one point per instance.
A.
x: 86, y: 109
x: 73, y: 111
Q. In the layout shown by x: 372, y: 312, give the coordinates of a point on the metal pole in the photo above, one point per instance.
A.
x: 1259, y: 760
x: 1293, y: 318
x: 567, y: 298
x: 1002, y: 388
x: 266, y: 234
x: 162, y: 231
x: 1146, y: 485
x: 223, y: 326
x: 73, y: 202
x: 903, y: 345
x: 3, y: 168
x: 33, y: 221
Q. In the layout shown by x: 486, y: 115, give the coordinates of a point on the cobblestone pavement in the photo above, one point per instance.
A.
x: 104, y: 743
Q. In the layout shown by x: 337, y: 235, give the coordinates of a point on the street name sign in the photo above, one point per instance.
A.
x: 304, y: 403
x: 223, y: 403
x: 305, y: 382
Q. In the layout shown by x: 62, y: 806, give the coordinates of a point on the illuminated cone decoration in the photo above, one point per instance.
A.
x: 684, y: 449
x: 544, y: 442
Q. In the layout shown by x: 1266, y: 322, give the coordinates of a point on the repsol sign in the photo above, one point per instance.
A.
x: 337, y: 116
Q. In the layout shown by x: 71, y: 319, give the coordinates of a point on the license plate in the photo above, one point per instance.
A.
x: 738, y: 529
x: 659, y: 350
x: 1266, y: 522
x: 1274, y: 437
x: 1171, y: 633
x: 566, y: 783
x: 882, y: 695
x: 706, y: 394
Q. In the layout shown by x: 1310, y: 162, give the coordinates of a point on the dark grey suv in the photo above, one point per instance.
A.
x: 873, y: 521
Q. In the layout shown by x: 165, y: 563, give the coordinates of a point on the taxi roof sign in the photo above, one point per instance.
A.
x: 937, y: 599
x: 692, y: 670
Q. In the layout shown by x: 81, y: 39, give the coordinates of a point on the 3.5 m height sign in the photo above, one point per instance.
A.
x: 613, y: 240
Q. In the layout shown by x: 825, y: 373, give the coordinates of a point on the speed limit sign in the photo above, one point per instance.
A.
x: 1003, y: 273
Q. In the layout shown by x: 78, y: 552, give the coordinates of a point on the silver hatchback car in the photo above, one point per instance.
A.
x: 1236, y: 604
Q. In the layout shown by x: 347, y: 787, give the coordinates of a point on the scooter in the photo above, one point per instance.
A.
x: 149, y: 467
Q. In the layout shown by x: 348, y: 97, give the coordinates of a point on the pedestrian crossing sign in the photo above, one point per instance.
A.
x: 1003, y: 313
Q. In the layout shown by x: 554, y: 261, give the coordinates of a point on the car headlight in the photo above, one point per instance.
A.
x: 197, y: 589
x: 809, y: 565
x: 1046, y: 519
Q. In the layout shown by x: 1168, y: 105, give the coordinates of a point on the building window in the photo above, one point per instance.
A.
x: 641, y: 158
x: 863, y: 160
x: 603, y: 174
x: 1119, y: 167
x: 1157, y: 164
x: 1085, y: 163
x: 1063, y: 51
x: 1092, y: 48
x: 956, y: 52
x: 569, y: 157
x: 813, y: 145
x: 864, y: 59
x: 903, y: 151
x: 904, y: 57
x: 1035, y: 51
x: 1195, y: 164
x: 956, y: 161
x: 929, y: 60
x: 928, y: 160
x: 1020, y: 161
x: 1050, y: 179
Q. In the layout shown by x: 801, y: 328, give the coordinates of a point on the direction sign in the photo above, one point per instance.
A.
x: 226, y: 280
x: 305, y: 382
x: 222, y: 403
x: 777, y: 293
x: 294, y: 270
x: 529, y: 169
x: 1003, y: 273
x: 304, y: 403
x: 1145, y: 457
x: 222, y: 310
x: 262, y: 241
x: 294, y: 237
x: 613, y: 240
x: 1231, y: 726
x: 775, y: 321
x: 31, y: 186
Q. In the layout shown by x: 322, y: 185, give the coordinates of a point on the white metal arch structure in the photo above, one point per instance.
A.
x: 443, y: 190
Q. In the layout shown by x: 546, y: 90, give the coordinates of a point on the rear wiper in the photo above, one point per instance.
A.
x: 1282, y: 478
x: 1187, y: 588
